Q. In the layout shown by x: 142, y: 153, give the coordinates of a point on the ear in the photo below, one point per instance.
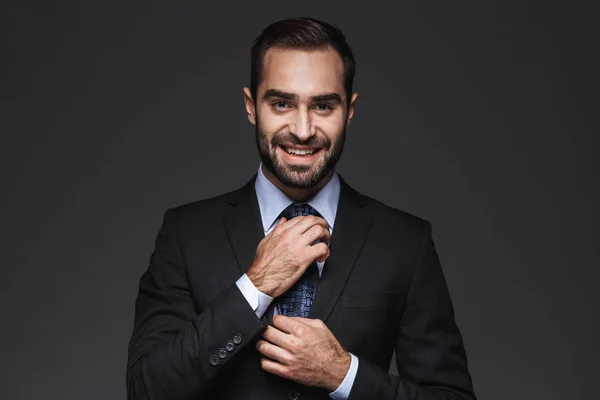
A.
x: 250, y: 107
x: 351, y: 108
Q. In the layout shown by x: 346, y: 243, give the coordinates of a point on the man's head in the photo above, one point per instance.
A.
x: 300, y: 99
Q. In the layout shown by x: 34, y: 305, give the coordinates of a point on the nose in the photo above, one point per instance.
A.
x: 302, y: 126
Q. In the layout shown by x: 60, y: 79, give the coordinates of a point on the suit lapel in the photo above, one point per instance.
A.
x: 350, y: 230
x: 244, y: 225
x: 351, y: 226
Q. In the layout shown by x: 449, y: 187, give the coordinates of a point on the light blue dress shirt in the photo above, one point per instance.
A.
x: 272, y: 201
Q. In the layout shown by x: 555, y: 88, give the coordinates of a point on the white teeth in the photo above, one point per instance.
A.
x: 299, y: 152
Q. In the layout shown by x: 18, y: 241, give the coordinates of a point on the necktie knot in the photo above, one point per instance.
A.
x: 295, y: 210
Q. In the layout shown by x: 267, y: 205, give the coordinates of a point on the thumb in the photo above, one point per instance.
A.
x: 279, y: 223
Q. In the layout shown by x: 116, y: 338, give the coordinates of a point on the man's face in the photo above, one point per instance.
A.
x: 301, y: 115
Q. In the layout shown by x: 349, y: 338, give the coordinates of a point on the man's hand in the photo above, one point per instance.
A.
x: 304, y: 350
x: 285, y: 253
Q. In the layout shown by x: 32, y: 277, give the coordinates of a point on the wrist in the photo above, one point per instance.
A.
x: 340, y: 372
x: 259, y: 282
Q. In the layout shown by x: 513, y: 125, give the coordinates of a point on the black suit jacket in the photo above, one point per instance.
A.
x: 382, y: 288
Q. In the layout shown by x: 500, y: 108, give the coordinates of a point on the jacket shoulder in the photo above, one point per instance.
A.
x: 382, y: 212
x: 211, y: 208
x: 396, y: 219
x: 207, y: 205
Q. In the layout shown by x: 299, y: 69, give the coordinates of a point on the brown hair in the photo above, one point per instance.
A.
x: 301, y: 33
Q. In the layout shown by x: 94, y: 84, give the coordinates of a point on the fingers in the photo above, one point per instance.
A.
x: 315, y: 323
x: 311, y: 229
x: 274, y: 367
x: 273, y: 352
x: 315, y: 234
x: 285, y: 224
x: 302, y: 223
x: 276, y: 336
x: 320, y: 251
x: 289, y: 325
x: 281, y: 221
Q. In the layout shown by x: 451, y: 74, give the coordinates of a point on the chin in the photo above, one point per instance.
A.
x: 304, y: 180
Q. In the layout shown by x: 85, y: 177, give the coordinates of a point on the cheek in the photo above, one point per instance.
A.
x: 270, y: 124
x: 332, y: 128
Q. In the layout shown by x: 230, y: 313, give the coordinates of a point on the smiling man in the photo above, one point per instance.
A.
x: 303, y: 110
x: 296, y: 285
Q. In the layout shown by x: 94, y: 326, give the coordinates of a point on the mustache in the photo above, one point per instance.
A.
x: 313, y: 141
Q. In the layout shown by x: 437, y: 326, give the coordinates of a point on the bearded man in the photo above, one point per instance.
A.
x: 296, y: 285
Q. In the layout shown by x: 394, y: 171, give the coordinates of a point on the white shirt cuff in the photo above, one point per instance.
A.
x: 257, y: 299
x: 343, y: 391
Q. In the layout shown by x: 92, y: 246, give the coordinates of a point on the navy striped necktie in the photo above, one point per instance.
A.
x: 297, y: 300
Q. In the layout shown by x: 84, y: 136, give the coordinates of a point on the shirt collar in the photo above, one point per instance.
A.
x: 272, y: 201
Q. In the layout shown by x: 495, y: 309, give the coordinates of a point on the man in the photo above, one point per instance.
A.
x: 296, y: 285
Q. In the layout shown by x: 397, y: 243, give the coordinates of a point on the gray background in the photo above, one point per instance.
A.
x: 474, y: 115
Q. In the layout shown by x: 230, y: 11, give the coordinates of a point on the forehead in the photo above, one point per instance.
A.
x: 303, y: 72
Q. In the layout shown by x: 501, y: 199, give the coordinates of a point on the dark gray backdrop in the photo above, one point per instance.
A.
x: 476, y: 116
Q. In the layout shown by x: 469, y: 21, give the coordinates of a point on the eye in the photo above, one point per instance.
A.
x: 280, y: 105
x: 323, y: 107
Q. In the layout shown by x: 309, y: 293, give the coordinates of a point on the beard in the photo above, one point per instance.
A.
x: 299, y: 176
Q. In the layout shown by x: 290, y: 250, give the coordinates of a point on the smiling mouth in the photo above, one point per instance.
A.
x: 299, y: 152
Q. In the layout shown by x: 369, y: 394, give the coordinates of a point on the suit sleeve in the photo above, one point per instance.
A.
x: 177, y: 351
x: 430, y: 355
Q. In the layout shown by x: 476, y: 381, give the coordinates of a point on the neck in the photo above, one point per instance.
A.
x: 299, y: 195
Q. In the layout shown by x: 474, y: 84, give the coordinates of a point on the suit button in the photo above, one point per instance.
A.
x: 237, y: 339
x: 293, y: 395
x: 230, y: 346
x: 214, y: 360
x: 222, y: 353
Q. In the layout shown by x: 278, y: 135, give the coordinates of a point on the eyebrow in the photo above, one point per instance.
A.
x: 274, y: 93
x: 336, y: 98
